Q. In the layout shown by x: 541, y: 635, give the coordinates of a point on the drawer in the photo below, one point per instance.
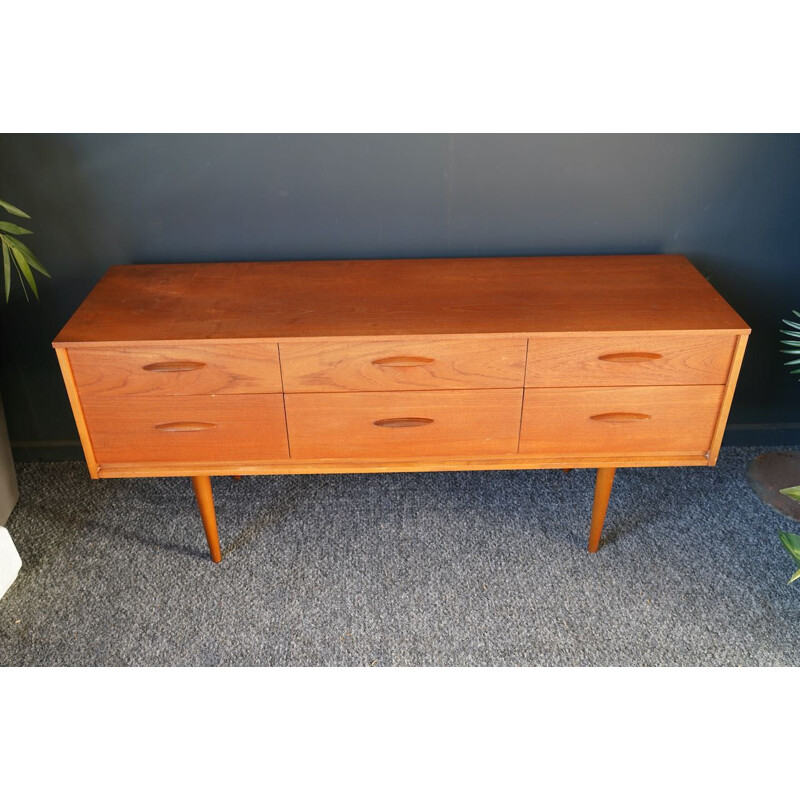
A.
x: 619, y: 421
x: 179, y: 370
x: 403, y: 365
x: 386, y: 425
x: 650, y: 360
x: 207, y: 429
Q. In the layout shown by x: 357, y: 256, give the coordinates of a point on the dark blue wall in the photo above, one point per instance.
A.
x: 728, y: 202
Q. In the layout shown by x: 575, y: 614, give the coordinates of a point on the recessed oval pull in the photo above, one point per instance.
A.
x: 180, y: 427
x: 402, y: 361
x: 630, y: 358
x: 403, y: 422
x: 174, y: 366
x: 619, y: 416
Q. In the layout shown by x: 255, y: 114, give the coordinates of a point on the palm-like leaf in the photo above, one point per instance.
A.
x: 791, y: 541
x: 10, y: 227
x: 792, y: 343
x: 792, y: 491
x: 18, y: 254
x: 13, y: 210
x: 6, y: 270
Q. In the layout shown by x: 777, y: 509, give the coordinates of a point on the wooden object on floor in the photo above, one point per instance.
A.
x: 401, y: 365
x: 768, y: 473
x: 602, y: 493
x: 205, y: 502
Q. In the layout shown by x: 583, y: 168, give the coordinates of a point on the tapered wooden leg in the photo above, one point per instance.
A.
x: 205, y: 500
x: 237, y: 477
x: 602, y: 492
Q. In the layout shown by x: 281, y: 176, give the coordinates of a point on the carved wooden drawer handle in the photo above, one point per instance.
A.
x: 402, y: 361
x: 403, y: 422
x: 174, y: 366
x: 630, y: 358
x: 178, y: 427
x: 620, y: 416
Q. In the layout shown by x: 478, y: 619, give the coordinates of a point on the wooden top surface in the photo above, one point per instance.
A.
x: 397, y: 298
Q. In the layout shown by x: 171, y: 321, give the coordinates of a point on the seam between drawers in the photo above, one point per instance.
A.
x: 283, y: 400
x: 522, y: 404
x: 623, y: 386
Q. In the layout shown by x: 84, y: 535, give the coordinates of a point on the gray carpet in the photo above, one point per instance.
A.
x: 436, y: 569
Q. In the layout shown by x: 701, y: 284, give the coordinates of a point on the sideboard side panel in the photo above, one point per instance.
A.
x: 77, y: 410
x: 727, y: 398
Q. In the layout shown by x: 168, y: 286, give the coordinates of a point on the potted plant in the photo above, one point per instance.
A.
x: 16, y: 255
x: 791, y: 541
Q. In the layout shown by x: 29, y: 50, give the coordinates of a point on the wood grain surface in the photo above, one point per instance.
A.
x: 625, y: 360
x: 403, y: 365
x: 727, y: 397
x: 298, y: 466
x: 248, y: 368
x: 620, y: 421
x: 463, y: 422
x: 398, y: 298
x: 220, y: 427
x: 77, y: 411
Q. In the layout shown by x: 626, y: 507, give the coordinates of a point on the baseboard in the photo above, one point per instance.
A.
x: 48, y: 450
x: 762, y: 435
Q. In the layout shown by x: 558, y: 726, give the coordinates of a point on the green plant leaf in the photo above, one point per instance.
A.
x: 6, y: 270
x: 26, y: 271
x: 791, y: 363
x: 18, y: 213
x: 791, y: 541
x: 10, y: 227
x: 29, y: 257
x: 791, y: 324
x: 21, y: 279
x: 795, y: 576
x: 792, y: 491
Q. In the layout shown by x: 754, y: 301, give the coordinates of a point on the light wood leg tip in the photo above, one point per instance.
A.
x: 205, y: 501
x: 602, y: 492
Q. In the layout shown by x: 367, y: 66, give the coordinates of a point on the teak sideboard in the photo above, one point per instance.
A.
x: 401, y: 365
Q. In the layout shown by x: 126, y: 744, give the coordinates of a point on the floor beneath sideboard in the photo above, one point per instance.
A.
x: 415, y: 569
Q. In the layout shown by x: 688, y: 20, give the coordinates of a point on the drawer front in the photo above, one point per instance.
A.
x: 388, y: 425
x: 207, y: 429
x: 403, y: 365
x: 180, y: 370
x: 619, y: 421
x: 650, y: 360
